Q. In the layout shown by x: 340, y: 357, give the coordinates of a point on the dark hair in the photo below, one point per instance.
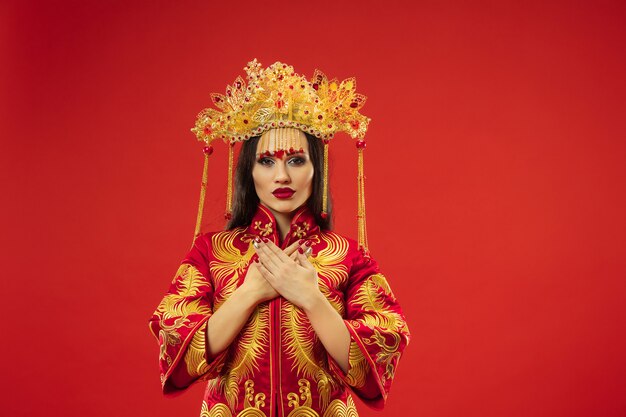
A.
x: 245, y: 199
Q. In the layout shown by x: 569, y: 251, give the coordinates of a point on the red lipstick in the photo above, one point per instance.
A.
x: 283, y: 193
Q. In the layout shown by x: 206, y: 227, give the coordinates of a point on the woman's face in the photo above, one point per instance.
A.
x: 284, y: 182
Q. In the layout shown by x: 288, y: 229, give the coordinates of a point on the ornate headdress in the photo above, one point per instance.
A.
x: 277, y: 97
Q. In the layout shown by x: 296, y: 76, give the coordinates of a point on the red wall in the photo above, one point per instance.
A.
x: 495, y: 191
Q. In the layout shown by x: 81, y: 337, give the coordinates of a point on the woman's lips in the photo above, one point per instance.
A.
x: 283, y: 193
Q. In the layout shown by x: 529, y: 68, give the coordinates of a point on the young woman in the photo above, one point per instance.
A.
x: 279, y: 313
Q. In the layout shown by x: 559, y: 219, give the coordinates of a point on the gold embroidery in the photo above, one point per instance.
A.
x: 358, y: 368
x: 259, y: 401
x: 228, y: 265
x: 263, y: 230
x: 328, y: 262
x: 387, y: 353
x: 195, y: 358
x: 178, y: 305
x: 337, y: 408
x: 249, y: 410
x: 218, y: 410
x: 305, y: 409
x: 248, y: 347
x: 299, y: 346
x: 373, y: 304
x: 301, y: 230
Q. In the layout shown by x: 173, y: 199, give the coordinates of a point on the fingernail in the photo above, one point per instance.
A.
x: 256, y: 260
x: 300, y: 250
x: 301, y: 241
x: 308, y: 243
x: 255, y: 244
x: 257, y: 239
x: 264, y: 239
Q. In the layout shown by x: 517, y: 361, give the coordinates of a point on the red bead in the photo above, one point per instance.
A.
x: 326, y: 141
x: 208, y: 150
x: 324, y: 215
x: 360, y: 144
x: 228, y: 216
x: 354, y: 105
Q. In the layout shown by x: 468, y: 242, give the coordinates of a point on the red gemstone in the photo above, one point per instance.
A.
x: 320, y: 117
x: 324, y: 215
x: 279, y: 154
x: 316, y: 86
x: 245, y: 121
x: 207, y: 130
x: 326, y: 141
x: 360, y: 144
x: 208, y: 150
x: 354, y: 105
x: 228, y: 216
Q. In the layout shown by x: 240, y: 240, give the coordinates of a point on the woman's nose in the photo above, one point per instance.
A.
x: 281, y: 173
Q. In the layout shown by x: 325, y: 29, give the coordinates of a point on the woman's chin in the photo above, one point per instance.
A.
x: 286, y: 206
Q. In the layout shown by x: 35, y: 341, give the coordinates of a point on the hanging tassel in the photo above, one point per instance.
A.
x: 208, y: 150
x: 362, y: 238
x: 324, y: 213
x: 229, y: 190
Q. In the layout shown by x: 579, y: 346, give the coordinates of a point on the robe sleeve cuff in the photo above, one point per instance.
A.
x: 195, y: 364
x: 359, y: 377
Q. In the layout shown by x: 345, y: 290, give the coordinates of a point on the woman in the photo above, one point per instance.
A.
x: 279, y: 313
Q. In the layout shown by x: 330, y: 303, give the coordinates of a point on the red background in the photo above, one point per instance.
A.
x: 495, y: 191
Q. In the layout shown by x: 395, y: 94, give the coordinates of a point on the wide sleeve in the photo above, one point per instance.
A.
x: 378, y: 333
x: 180, y: 320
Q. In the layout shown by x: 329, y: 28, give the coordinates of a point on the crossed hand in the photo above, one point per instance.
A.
x: 287, y: 273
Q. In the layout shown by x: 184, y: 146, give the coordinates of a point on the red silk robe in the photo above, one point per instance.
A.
x: 277, y: 366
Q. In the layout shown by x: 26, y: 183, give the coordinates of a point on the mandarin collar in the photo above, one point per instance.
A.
x: 302, y: 226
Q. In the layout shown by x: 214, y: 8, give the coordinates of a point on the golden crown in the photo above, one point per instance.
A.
x: 277, y: 97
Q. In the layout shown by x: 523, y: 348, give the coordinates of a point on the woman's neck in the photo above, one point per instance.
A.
x: 283, y: 222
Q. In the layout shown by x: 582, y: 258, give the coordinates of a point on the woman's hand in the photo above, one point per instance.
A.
x: 256, y: 285
x: 293, y: 277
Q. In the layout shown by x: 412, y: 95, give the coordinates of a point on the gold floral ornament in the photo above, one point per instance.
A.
x: 277, y: 97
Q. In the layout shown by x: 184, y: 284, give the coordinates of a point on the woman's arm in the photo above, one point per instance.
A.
x: 330, y: 328
x: 224, y: 325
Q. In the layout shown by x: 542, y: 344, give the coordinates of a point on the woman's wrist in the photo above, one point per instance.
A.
x: 313, y: 302
x: 245, y: 297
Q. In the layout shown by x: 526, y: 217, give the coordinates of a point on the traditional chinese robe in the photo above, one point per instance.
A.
x: 277, y: 366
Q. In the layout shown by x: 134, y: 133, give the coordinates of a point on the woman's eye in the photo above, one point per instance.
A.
x: 265, y: 161
x: 296, y: 161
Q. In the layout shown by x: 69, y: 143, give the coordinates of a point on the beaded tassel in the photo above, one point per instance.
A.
x: 229, y: 190
x: 325, y: 183
x: 362, y: 237
x: 208, y: 150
